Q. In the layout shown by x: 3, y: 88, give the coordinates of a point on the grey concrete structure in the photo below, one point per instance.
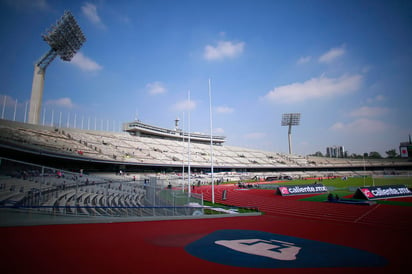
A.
x: 36, y: 94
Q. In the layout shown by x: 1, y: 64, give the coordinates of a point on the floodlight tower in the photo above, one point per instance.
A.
x: 64, y: 38
x: 290, y: 119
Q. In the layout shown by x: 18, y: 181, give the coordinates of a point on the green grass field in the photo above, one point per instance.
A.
x: 354, y: 182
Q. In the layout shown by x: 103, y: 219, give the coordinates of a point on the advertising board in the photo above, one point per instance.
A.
x: 382, y: 192
x: 301, y: 189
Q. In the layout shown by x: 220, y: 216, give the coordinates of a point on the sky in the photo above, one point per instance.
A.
x: 344, y: 65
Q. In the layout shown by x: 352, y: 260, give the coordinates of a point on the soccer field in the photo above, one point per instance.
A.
x: 354, y: 182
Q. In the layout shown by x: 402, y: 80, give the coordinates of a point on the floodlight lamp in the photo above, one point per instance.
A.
x: 65, y: 38
x: 290, y: 119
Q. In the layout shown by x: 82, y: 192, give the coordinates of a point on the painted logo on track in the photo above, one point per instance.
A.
x: 257, y: 249
x: 273, y: 249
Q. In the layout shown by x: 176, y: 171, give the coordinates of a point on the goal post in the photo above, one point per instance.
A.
x: 402, y: 179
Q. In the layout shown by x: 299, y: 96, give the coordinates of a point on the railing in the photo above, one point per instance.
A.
x: 109, y: 211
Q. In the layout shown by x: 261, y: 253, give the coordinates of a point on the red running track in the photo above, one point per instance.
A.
x: 158, y: 246
x: 269, y: 203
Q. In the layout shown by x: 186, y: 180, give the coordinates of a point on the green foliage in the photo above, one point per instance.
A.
x: 324, y: 197
x: 391, y: 153
x: 375, y: 155
x: 354, y: 182
x: 317, y: 154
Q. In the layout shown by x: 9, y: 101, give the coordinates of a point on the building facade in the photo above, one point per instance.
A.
x: 335, y: 152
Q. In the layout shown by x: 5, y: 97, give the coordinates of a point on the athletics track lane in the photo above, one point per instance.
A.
x: 270, y: 203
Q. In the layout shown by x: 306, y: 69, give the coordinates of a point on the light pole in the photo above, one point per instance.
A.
x: 64, y: 38
x: 211, y: 144
x: 364, y: 170
x: 290, y: 119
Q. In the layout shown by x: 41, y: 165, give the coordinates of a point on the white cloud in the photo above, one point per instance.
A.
x: 366, y: 69
x: 223, y: 49
x: 61, y: 102
x: 185, y: 105
x: 218, y: 131
x: 255, y: 135
x: 338, y: 126
x: 304, y: 60
x: 85, y: 63
x: 332, y: 54
x: 90, y: 11
x: 224, y: 109
x: 369, y: 112
x: 362, y: 125
x: 155, y: 88
x: 314, y: 88
x: 377, y: 98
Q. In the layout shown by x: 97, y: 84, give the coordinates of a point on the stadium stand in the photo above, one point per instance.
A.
x: 124, y: 148
x: 65, y: 193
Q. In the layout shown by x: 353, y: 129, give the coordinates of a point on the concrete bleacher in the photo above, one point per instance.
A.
x: 122, y: 147
x: 69, y: 193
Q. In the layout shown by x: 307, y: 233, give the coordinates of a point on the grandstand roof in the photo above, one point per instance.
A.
x: 138, y: 128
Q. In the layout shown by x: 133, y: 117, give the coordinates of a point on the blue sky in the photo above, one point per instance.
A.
x: 344, y: 65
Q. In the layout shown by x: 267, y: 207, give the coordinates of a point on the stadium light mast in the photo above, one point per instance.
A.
x: 65, y: 38
x: 211, y: 144
x: 290, y: 119
x: 188, y: 146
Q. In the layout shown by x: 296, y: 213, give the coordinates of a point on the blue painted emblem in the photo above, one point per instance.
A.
x: 257, y: 249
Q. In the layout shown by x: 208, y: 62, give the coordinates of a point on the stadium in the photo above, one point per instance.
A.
x: 151, y: 199
x: 56, y: 181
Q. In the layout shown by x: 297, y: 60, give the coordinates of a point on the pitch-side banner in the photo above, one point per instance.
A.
x: 382, y: 192
x: 301, y: 189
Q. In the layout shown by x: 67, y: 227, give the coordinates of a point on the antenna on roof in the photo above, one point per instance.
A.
x: 177, y: 124
x: 136, y: 116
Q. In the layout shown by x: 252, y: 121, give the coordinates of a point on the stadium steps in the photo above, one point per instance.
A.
x: 6, y: 196
x: 62, y: 200
x: 80, y: 201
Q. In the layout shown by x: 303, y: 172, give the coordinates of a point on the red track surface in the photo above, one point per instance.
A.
x: 271, y: 204
x: 158, y: 246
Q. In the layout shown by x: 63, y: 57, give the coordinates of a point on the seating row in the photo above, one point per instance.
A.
x: 115, y: 146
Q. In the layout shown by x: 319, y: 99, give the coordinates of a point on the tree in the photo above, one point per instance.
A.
x: 355, y: 156
x: 319, y: 154
x: 374, y: 155
x: 391, y: 153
